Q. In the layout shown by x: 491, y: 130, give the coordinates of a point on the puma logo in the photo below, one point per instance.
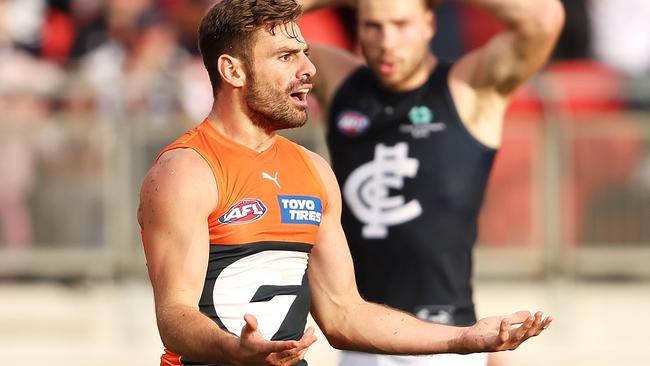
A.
x: 268, y: 176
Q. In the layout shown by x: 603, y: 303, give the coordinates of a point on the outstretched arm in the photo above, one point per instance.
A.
x: 482, y: 81
x: 178, y: 194
x: 351, y: 323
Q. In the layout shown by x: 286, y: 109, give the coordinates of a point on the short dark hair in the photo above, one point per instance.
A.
x: 229, y: 28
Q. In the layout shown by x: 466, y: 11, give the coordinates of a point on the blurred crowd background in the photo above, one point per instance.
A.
x: 91, y: 90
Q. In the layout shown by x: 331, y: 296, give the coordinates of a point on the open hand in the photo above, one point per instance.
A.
x: 502, y: 333
x: 255, y: 350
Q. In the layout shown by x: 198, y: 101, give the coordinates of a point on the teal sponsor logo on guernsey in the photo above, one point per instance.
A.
x: 300, y: 210
x: 420, y: 115
x: 422, y: 125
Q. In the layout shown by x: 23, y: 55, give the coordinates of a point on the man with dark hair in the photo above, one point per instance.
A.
x: 241, y: 227
x: 412, y: 140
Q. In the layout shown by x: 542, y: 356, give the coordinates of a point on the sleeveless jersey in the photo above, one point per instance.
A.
x: 261, y: 234
x: 413, y: 180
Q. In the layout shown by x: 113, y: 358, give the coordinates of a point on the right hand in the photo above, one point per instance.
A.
x: 255, y: 350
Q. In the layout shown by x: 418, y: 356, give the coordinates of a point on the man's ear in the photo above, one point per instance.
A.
x: 231, y: 70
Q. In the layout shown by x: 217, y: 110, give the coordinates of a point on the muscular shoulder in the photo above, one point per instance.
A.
x: 179, y: 177
x: 321, y: 165
x: 186, y: 160
x: 327, y: 176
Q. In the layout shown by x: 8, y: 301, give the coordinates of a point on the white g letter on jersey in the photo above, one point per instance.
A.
x: 366, y: 190
x: 238, y: 283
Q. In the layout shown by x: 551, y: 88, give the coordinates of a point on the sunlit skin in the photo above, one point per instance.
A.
x: 277, y: 85
x: 395, y: 37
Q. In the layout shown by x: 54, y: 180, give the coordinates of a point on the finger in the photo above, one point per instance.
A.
x: 309, y: 331
x: 544, y: 324
x: 282, y: 348
x: 305, y: 342
x: 290, y: 357
x: 535, y: 326
x: 298, y: 353
x: 250, y: 326
x: 547, y: 322
x: 521, y: 332
x: 519, y: 317
x: 308, y: 338
x: 281, y: 359
x: 303, y: 353
x: 251, y: 323
x: 504, y: 331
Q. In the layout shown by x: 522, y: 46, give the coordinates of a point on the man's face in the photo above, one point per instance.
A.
x: 395, y: 37
x: 278, y: 79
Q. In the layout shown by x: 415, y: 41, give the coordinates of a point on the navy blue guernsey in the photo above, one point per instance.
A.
x: 413, y: 180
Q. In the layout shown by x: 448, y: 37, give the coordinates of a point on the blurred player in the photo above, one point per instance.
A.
x: 412, y: 140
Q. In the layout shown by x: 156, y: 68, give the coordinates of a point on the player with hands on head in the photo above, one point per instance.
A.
x: 412, y: 139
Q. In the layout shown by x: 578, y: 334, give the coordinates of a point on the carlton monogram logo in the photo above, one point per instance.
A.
x: 367, y: 190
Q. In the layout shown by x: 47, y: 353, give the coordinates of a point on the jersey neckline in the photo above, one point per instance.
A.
x: 217, y: 135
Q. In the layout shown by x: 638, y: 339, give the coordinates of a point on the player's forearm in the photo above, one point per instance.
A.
x: 187, y: 332
x: 526, y: 17
x: 375, y: 328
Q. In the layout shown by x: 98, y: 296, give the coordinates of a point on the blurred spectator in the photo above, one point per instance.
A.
x: 25, y: 133
x: 58, y: 30
x: 621, y: 34
x: 135, y: 72
x: 186, y: 14
x: 195, y: 91
x: 75, y: 175
x: 90, y: 21
x: 21, y: 22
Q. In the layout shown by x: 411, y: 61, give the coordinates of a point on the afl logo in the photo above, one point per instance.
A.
x: 352, y: 123
x: 244, y: 211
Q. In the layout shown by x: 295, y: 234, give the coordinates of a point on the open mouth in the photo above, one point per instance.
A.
x: 387, y: 67
x: 300, y: 96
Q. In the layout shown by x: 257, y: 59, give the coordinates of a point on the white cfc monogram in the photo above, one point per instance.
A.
x: 367, y: 189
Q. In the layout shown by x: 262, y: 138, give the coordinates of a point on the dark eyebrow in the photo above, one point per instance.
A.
x: 292, y: 50
x: 396, y: 21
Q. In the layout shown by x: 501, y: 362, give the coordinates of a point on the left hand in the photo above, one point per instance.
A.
x: 501, y: 333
